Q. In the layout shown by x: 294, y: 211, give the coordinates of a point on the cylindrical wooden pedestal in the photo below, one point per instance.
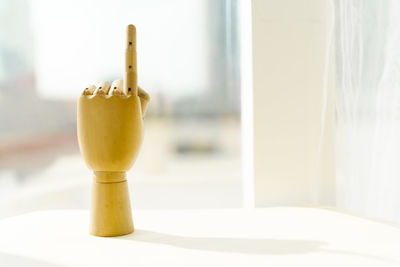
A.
x: 110, y: 206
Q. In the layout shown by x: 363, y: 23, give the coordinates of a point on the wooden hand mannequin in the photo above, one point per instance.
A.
x: 110, y: 132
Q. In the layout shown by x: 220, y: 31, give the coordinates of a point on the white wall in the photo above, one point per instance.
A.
x: 291, y: 139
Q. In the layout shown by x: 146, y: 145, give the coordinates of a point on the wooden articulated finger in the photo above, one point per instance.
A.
x: 117, y: 88
x: 130, y: 79
x: 103, y: 88
x: 144, y: 99
x: 89, y: 90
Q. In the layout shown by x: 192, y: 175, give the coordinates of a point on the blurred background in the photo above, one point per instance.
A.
x: 188, y: 61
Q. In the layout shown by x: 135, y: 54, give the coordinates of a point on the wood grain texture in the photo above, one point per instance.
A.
x: 110, y: 133
x: 110, y: 206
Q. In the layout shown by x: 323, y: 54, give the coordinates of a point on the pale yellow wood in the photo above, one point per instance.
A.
x: 89, y: 90
x: 144, y: 99
x: 130, y: 61
x: 110, y: 132
x: 110, y: 205
x: 103, y: 88
x: 117, y: 87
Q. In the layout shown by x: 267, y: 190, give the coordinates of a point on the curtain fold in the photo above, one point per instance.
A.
x: 368, y: 107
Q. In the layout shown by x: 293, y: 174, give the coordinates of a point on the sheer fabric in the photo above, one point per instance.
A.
x: 368, y: 107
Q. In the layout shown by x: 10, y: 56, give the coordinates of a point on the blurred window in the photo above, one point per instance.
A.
x: 188, y: 61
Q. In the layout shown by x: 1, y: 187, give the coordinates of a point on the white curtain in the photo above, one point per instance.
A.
x: 368, y: 107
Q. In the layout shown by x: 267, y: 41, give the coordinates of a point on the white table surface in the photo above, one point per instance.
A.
x: 237, y: 237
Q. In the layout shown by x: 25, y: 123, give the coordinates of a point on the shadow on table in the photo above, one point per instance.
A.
x: 10, y: 260
x: 264, y: 246
x: 236, y: 245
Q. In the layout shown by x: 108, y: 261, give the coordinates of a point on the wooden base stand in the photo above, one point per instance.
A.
x: 110, y: 208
